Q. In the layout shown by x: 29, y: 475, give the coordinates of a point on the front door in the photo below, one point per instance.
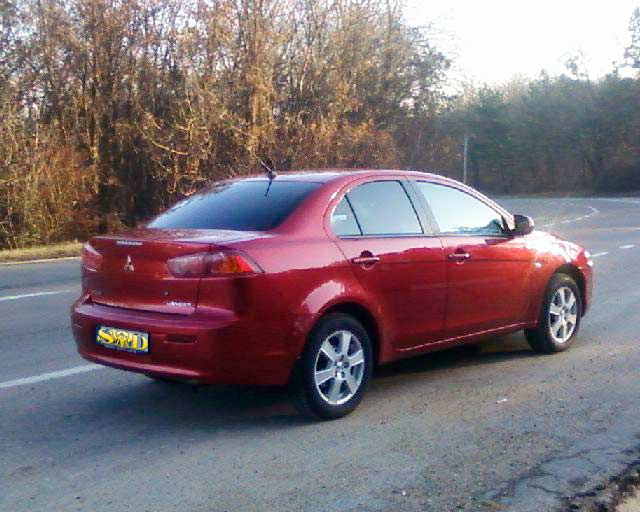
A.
x: 487, y: 270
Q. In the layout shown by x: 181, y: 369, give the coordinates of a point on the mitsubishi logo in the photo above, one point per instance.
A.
x: 128, y: 266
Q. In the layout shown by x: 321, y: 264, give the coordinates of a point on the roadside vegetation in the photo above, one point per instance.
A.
x: 42, y: 252
x: 112, y: 109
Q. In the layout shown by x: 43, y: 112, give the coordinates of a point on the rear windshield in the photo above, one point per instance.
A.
x: 237, y: 205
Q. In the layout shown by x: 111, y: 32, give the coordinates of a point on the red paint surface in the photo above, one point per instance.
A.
x: 251, y: 329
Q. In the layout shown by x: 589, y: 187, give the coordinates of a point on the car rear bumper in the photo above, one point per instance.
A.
x: 213, y: 348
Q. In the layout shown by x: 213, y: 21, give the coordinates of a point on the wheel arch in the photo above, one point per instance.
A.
x: 576, y: 274
x: 364, y: 316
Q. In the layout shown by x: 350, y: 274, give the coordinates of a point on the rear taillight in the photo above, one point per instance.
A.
x: 211, y: 264
x: 91, y: 259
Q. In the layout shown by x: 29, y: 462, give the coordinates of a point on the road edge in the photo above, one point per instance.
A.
x: 40, y: 260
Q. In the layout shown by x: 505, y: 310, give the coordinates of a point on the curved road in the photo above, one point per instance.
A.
x: 492, y: 427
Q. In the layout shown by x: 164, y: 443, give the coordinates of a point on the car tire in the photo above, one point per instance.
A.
x: 334, y: 370
x: 559, y: 319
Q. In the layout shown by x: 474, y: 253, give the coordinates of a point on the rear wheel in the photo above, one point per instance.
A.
x: 559, y: 317
x: 335, y: 368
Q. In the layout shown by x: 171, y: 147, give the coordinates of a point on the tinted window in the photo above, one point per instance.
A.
x: 343, y: 221
x: 383, y: 208
x: 238, y: 205
x: 458, y: 212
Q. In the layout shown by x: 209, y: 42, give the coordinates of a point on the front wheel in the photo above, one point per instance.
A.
x: 559, y: 316
x: 335, y: 368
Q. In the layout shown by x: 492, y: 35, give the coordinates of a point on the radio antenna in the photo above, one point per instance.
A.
x: 271, y: 174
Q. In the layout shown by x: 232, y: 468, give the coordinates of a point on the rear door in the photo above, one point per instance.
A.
x: 487, y: 270
x: 387, y: 240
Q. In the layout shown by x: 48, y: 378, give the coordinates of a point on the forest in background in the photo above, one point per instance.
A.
x: 110, y: 110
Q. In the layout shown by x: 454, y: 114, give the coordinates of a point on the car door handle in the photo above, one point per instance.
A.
x: 459, y: 256
x: 366, y: 258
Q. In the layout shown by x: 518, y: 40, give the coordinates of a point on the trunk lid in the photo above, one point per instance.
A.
x: 134, y: 273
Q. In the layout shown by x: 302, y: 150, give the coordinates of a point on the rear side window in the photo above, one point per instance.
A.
x: 457, y: 212
x: 382, y: 208
x: 237, y: 205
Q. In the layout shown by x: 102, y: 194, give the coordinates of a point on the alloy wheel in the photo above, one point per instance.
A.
x: 339, y: 367
x: 563, y: 314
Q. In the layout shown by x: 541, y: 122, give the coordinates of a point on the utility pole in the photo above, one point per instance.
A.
x: 464, y: 166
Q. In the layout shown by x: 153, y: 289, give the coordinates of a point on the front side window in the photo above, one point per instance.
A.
x: 459, y: 213
x: 380, y: 208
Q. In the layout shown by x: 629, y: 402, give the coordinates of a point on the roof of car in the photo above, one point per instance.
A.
x: 347, y: 175
x: 325, y: 175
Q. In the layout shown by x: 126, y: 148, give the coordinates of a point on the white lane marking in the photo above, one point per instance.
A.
x: 37, y: 294
x: 594, y: 211
x: 50, y: 376
x: 627, y: 200
x: 628, y: 246
x: 598, y: 254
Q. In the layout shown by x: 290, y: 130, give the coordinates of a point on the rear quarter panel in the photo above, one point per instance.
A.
x: 303, y: 278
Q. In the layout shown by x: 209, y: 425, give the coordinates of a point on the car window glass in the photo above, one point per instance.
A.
x: 239, y: 205
x: 343, y: 221
x: 457, y: 212
x: 384, y: 208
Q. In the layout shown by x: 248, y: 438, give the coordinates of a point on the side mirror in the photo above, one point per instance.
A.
x: 523, y: 225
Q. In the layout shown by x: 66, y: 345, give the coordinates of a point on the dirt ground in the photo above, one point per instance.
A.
x: 631, y: 504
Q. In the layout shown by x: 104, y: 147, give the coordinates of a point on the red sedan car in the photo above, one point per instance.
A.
x: 314, y: 278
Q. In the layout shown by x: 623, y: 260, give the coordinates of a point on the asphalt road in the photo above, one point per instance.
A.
x: 492, y: 427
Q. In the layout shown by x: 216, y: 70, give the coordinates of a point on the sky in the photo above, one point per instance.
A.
x: 491, y: 41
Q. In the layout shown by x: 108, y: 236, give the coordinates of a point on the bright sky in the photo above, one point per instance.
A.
x: 493, y: 40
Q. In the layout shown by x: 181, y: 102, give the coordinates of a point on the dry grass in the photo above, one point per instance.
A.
x: 41, y: 252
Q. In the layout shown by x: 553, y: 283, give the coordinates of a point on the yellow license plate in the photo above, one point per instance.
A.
x: 122, y: 339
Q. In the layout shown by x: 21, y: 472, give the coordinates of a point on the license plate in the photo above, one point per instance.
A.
x: 122, y: 339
